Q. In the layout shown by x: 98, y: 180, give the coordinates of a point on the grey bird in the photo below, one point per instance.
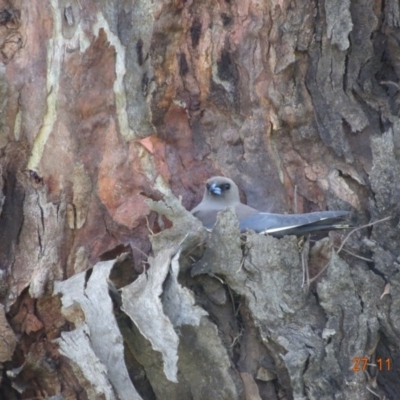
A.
x: 221, y: 192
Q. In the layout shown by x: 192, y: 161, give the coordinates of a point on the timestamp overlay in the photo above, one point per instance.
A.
x: 362, y: 363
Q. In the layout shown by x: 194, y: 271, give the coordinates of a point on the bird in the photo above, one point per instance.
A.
x: 221, y: 192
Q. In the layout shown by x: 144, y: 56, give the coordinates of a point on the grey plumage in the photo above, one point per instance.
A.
x: 221, y: 192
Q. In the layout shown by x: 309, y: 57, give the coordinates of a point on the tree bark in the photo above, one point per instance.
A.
x: 113, y: 114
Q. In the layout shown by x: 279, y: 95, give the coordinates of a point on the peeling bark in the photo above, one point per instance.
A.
x: 112, y: 116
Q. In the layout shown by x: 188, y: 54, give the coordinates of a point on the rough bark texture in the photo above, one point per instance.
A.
x: 111, y: 111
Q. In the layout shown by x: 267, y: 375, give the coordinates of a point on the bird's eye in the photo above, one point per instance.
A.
x: 227, y: 186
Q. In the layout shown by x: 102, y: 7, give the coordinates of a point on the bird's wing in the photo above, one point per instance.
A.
x: 293, y: 224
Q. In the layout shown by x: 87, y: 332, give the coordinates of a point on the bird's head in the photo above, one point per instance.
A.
x: 221, y: 189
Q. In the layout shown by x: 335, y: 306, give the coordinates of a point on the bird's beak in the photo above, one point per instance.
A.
x: 214, y: 189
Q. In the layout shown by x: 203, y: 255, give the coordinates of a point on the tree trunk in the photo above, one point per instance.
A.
x: 112, y: 110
